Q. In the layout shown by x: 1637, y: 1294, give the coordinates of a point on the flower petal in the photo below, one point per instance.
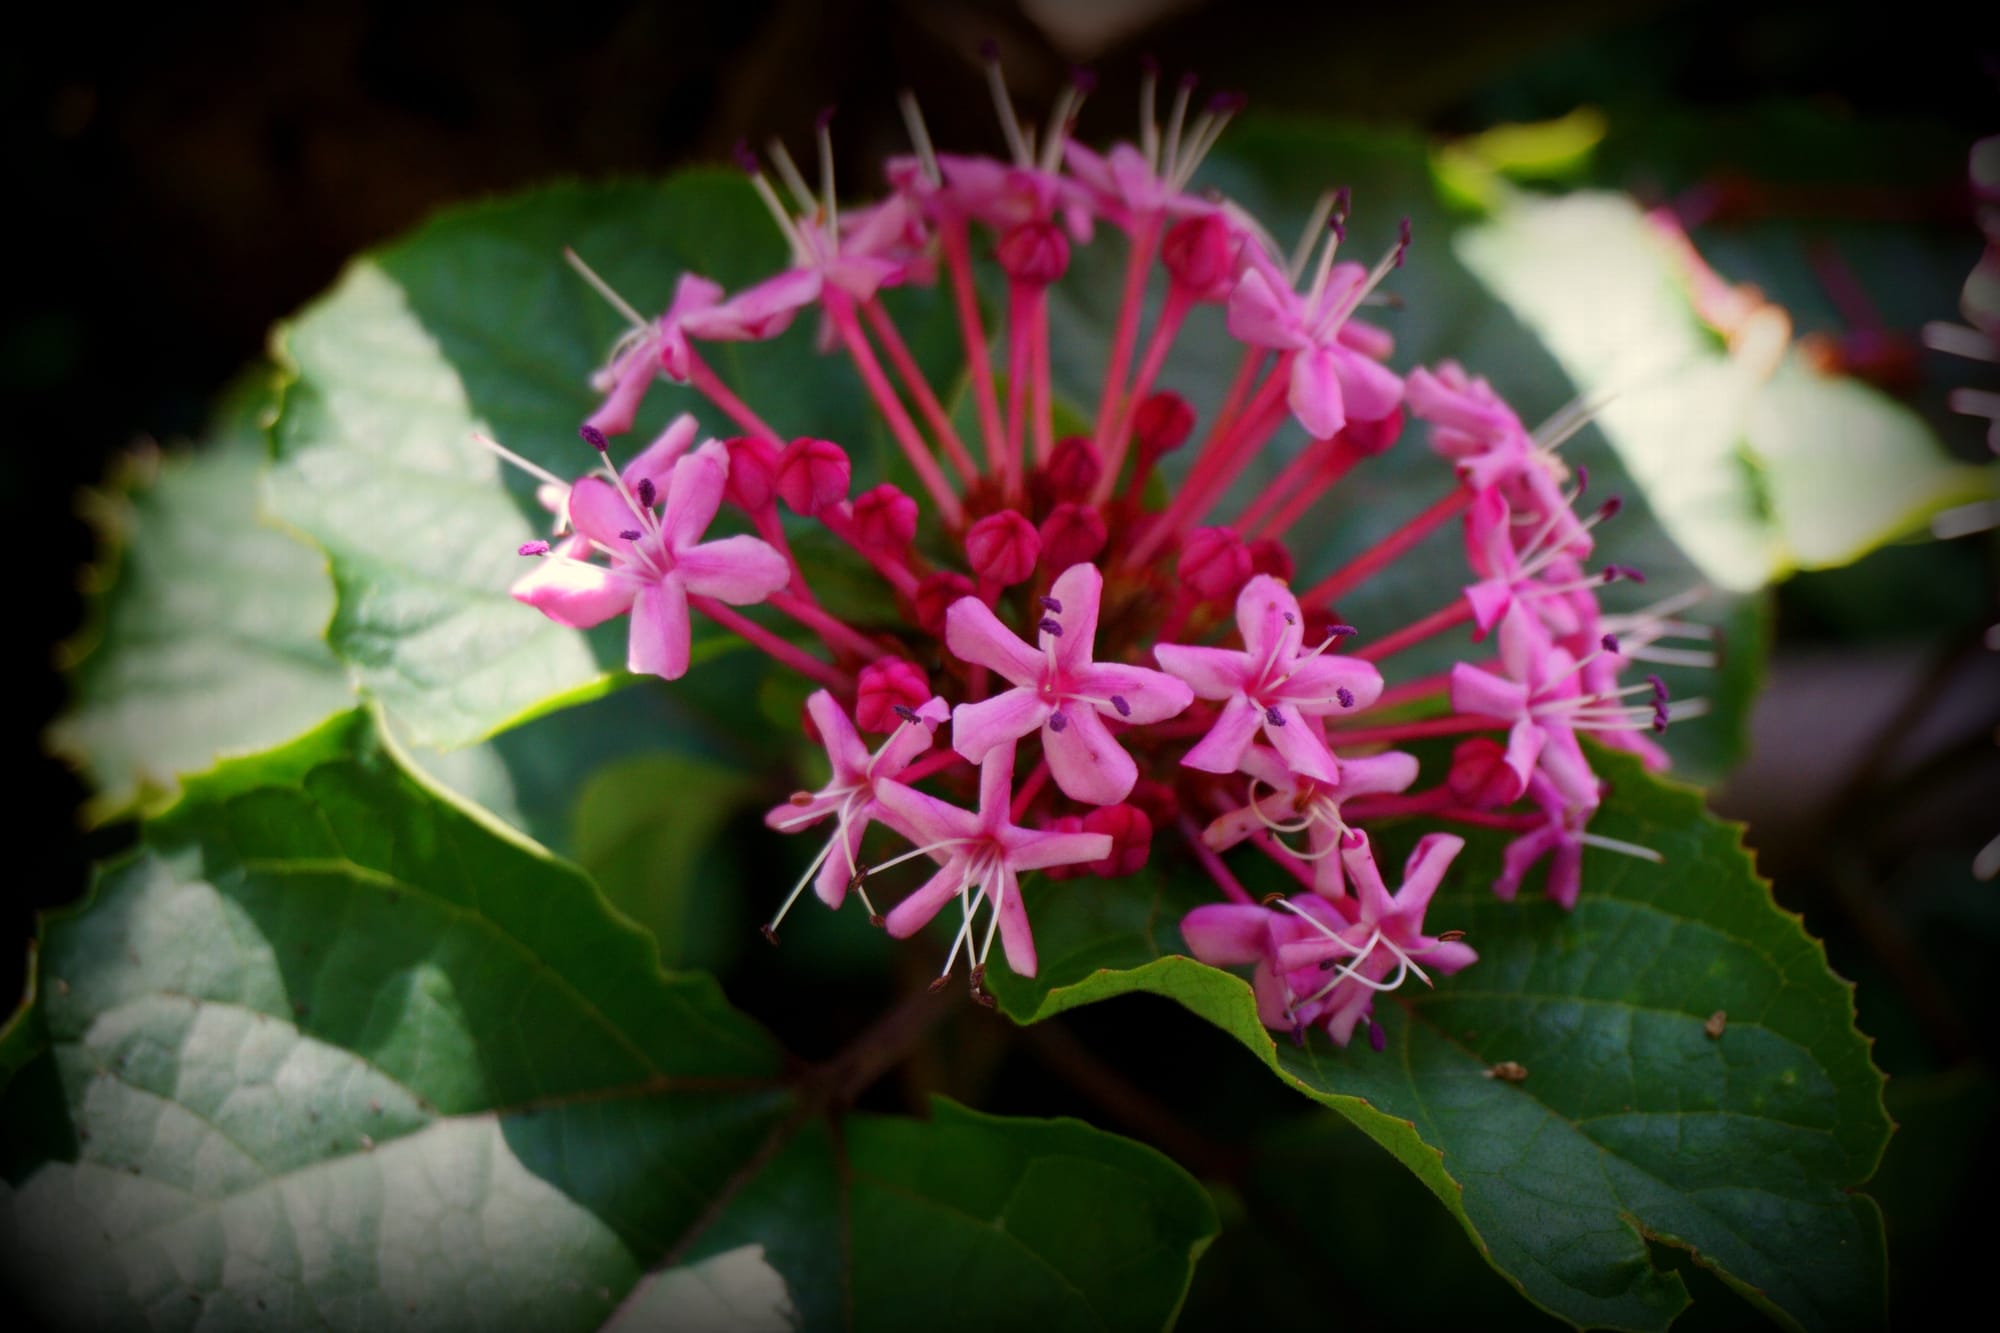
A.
x: 841, y: 864
x: 1315, y: 686
x: 660, y: 631
x: 738, y: 570
x: 1078, y: 590
x: 974, y: 634
x: 1221, y: 750
x: 1015, y: 937
x: 1479, y: 692
x: 599, y: 512
x: 1001, y: 720
x: 694, y: 493
x: 1035, y: 849
x: 912, y: 914
x: 1264, y: 315
x: 575, y: 593
x: 1214, y: 673
x: 655, y: 463
x: 1299, y: 743
x: 844, y: 747
x: 1086, y: 761
x: 1370, y: 390
x: 1267, y: 616
x: 1150, y: 696
x: 1228, y: 934
x: 1424, y: 871
x: 922, y: 818
x: 1315, y: 395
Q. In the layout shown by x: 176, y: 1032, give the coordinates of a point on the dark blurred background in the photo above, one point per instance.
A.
x: 181, y: 179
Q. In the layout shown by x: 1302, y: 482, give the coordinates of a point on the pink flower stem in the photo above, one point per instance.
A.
x: 771, y: 530
x: 1396, y: 732
x: 894, y: 570
x: 1328, y: 466
x: 1412, y: 691
x: 840, y: 309
x: 1029, y: 791
x: 1445, y: 617
x: 1202, y: 489
x: 972, y: 331
x: 1172, y: 315
x: 1113, y: 402
x: 781, y: 652
x: 1232, y: 402
x: 919, y: 388
x: 1043, y: 405
x: 935, y: 762
x: 1177, y: 618
x: 1212, y: 863
x: 833, y: 632
x: 1360, y: 568
x: 704, y: 379
x: 1285, y: 485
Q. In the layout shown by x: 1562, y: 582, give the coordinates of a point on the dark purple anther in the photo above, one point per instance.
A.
x: 1049, y: 626
x: 1343, y: 199
x: 745, y: 159
x: 989, y: 50
x: 631, y: 534
x: 1610, y: 508
x: 1609, y: 643
x: 1632, y: 573
x: 1659, y: 688
x: 1345, y: 695
x: 1340, y: 631
x: 1582, y: 479
x: 534, y: 548
x: 1149, y: 64
x: 647, y: 493
x: 825, y: 117
x: 1291, y: 619
x: 1189, y: 80
x: 1118, y: 702
x: 1659, y: 719
x: 1402, y: 241
x: 1058, y: 721
x: 1083, y: 80
x: 594, y: 437
x: 1377, y: 1039
x: 907, y: 713
x: 1299, y: 1035
x: 1227, y: 103
x: 1273, y: 716
x: 1051, y: 604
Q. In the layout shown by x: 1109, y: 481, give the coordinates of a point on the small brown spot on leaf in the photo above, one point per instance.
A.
x: 1508, y: 1071
x: 1717, y: 1021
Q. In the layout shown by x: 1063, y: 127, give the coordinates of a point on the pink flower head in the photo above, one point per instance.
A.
x: 1333, y: 377
x: 1478, y: 432
x: 656, y: 562
x: 1059, y: 689
x: 660, y: 348
x: 1270, y: 685
x: 981, y: 854
x: 1290, y: 803
x: 1128, y: 191
x: 1006, y: 195
x: 849, y: 795
x: 1541, y: 695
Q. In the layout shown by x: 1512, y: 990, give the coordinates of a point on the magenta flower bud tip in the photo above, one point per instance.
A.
x: 1200, y: 253
x: 989, y: 50
x: 1609, y: 643
x: 746, y: 160
x: 1341, y: 631
x: 1162, y: 424
x: 1072, y: 470
x: 886, y: 690
x: 1214, y: 563
x: 1268, y: 555
x: 1131, y: 834
x: 534, y: 548
x: 630, y: 534
x: 885, y: 519
x: 1083, y: 79
x: 812, y: 475
x: 1343, y: 201
x: 935, y: 595
x: 1659, y: 687
x: 1610, y: 508
x: 1058, y: 722
x: 753, y: 465
x: 825, y: 116
x: 1036, y: 253
x: 1049, y: 625
x: 1003, y: 547
x: 593, y: 437
x: 1071, y: 534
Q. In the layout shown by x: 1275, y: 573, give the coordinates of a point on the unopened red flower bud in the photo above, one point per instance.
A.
x: 1003, y: 547
x: 1200, y: 253
x: 1157, y: 799
x: 1034, y: 252
x: 1071, y: 534
x: 885, y: 518
x: 1479, y: 774
x: 1214, y: 563
x: 885, y: 685
x: 934, y: 596
x: 1161, y: 424
x: 1072, y: 470
x: 812, y: 475
x: 753, y: 473
x: 1131, y: 833
x: 1269, y: 556
x: 1373, y: 437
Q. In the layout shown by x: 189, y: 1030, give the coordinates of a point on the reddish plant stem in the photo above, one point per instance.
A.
x: 833, y: 632
x: 1409, y: 691
x: 1231, y: 888
x: 704, y: 379
x: 781, y: 652
x: 1043, y: 405
x: 1172, y: 315
x: 1410, y: 731
x: 1341, y: 460
x: 895, y: 570
x: 1285, y: 486
x: 919, y: 388
x: 840, y: 310
x: 935, y: 762
x: 972, y: 332
x: 1445, y: 617
x: 1384, y: 552
x: 1232, y: 402
x: 773, y: 531
x: 1113, y: 402
x: 1029, y: 791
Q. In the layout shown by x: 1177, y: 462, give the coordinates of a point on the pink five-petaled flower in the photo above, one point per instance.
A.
x: 849, y: 794
x: 1270, y: 684
x: 656, y: 563
x: 1059, y: 689
x: 1541, y: 695
x: 1290, y: 803
x: 982, y: 853
x: 1333, y: 378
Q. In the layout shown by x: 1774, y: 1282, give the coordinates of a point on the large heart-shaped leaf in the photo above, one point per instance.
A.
x: 207, y: 635
x: 332, y: 1049
x: 1633, y: 1122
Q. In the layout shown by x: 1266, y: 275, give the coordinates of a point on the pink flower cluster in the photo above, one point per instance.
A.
x: 1114, y: 671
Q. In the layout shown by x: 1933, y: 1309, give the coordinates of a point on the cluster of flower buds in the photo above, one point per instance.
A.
x: 1113, y: 668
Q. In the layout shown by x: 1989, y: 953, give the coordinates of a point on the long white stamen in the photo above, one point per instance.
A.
x: 1687, y: 657
x: 920, y: 136
x: 604, y: 289
x: 1315, y: 228
x: 1572, y: 417
x: 1345, y: 310
x: 1175, y: 119
x: 1149, y: 126
x: 966, y: 906
x: 780, y: 215
x: 827, y: 199
x: 915, y: 852
x: 1624, y: 848
x: 788, y: 172
x: 1066, y: 105
x: 1003, y: 106
x: 535, y: 470
x: 1959, y: 340
x: 772, y: 928
x: 1208, y: 130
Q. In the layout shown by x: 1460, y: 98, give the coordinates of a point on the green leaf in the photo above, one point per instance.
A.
x: 1633, y: 1124
x: 206, y: 621
x: 332, y: 1048
x: 1754, y: 474
x: 475, y: 324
